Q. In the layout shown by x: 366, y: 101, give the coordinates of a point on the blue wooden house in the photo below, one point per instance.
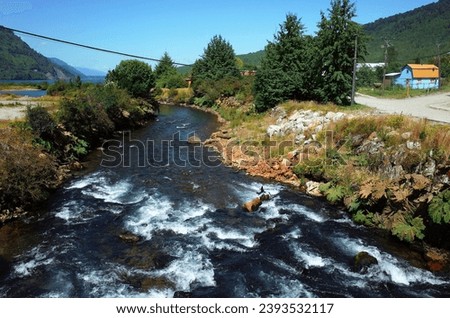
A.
x: 418, y: 76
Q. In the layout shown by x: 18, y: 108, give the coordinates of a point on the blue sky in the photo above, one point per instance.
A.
x: 182, y: 28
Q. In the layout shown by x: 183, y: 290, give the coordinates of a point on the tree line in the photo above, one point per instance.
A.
x: 295, y: 66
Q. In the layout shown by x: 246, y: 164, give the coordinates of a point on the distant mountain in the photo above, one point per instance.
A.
x: 413, y: 35
x: 252, y: 59
x: 67, y: 67
x: 90, y: 72
x: 20, y: 62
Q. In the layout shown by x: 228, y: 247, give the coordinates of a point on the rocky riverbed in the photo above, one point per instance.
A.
x: 390, y: 185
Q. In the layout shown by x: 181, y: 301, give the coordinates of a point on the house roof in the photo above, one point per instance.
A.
x: 424, y: 70
x: 392, y: 74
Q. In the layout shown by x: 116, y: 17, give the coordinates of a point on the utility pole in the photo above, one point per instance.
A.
x: 386, y: 46
x: 354, y: 72
x: 439, y: 64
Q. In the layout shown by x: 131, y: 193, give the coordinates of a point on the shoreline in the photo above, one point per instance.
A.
x: 277, y: 169
x: 420, y: 253
x: 61, y: 168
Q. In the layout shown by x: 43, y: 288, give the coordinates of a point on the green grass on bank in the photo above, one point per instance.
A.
x: 398, y: 92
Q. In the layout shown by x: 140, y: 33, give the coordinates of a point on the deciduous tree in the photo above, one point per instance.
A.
x: 134, y: 76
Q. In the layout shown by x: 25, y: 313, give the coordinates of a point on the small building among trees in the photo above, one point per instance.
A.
x: 418, y: 76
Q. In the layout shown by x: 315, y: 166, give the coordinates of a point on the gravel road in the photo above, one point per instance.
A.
x: 435, y: 107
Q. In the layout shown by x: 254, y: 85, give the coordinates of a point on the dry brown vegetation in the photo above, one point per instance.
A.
x: 26, y: 174
x: 384, y: 169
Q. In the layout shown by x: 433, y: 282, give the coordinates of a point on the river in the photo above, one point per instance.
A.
x: 25, y: 92
x: 195, y: 240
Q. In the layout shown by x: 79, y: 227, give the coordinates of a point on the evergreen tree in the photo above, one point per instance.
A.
x: 336, y: 47
x: 165, y: 66
x: 167, y: 75
x: 283, y: 71
x: 217, y: 62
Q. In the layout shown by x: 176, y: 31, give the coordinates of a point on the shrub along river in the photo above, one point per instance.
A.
x: 161, y: 217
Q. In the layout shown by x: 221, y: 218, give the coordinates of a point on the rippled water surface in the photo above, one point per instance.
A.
x: 194, y: 237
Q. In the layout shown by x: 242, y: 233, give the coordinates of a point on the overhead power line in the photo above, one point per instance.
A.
x: 92, y: 47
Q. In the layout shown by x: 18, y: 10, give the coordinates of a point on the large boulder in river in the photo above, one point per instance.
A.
x: 194, y: 140
x: 253, y: 205
x: 129, y: 237
x: 362, y: 261
x: 182, y: 294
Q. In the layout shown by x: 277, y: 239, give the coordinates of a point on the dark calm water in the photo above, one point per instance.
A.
x: 194, y: 236
x: 86, y: 79
x: 29, y: 93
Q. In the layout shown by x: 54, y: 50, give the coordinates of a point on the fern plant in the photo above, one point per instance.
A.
x: 439, y: 208
x: 364, y: 218
x: 408, y: 229
x: 334, y: 193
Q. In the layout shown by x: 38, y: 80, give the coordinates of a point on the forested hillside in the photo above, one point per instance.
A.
x: 19, y: 62
x: 414, y: 36
x: 252, y: 60
x: 68, y: 68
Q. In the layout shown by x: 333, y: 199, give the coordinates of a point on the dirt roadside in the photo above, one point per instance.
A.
x: 434, y: 107
x: 12, y: 109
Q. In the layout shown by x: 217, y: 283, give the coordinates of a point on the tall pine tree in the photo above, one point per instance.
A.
x: 336, y: 46
x: 217, y: 62
x: 165, y: 66
x: 167, y: 75
x: 282, y: 75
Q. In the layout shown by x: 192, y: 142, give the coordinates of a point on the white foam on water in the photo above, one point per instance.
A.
x: 279, y: 263
x: 74, y: 213
x: 248, y: 191
x: 300, y: 209
x: 212, y: 245
x: 244, y: 239
x: 191, y: 268
x: 102, y: 283
x: 84, y: 182
x: 55, y: 294
x: 272, y: 209
x: 159, y: 213
x: 109, y: 283
x: 389, y: 268
x: 294, y: 234
x: 150, y: 216
x: 99, y: 186
x: 35, y: 259
x: 119, y: 192
x: 284, y: 287
x: 308, y: 258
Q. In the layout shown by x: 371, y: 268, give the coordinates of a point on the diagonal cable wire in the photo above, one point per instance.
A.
x: 91, y: 47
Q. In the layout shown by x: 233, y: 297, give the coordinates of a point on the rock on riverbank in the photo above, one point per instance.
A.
x: 385, y: 171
